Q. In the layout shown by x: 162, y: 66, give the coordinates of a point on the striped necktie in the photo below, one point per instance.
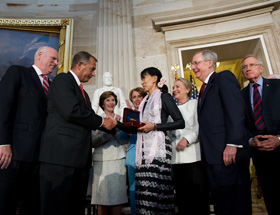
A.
x: 257, y: 101
x: 45, y: 83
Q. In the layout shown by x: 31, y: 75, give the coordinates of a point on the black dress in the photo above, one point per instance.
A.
x: 154, y: 186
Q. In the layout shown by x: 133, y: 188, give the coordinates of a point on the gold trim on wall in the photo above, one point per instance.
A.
x: 64, y: 27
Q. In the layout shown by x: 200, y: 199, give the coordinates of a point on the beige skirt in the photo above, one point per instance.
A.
x: 109, y: 183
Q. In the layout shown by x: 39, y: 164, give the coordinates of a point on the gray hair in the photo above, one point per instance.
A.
x: 209, y: 55
x: 83, y: 57
x: 260, y: 62
x: 42, y: 49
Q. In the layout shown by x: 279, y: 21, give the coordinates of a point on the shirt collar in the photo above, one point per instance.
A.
x: 76, y: 78
x: 259, y: 82
x: 208, y: 77
x: 38, y: 71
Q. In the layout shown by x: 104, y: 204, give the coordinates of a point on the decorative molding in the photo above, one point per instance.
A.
x: 237, y: 10
x: 34, y: 22
x: 217, y: 19
x: 230, y: 35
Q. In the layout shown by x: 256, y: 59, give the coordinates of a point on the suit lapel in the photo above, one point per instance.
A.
x: 88, y: 100
x: 35, y: 77
x: 248, y: 100
x: 208, y: 87
x: 80, y: 91
x: 266, y: 88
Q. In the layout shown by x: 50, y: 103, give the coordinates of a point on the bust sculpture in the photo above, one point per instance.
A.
x: 107, y: 86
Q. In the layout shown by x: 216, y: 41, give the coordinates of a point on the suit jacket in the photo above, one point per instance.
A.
x: 66, y: 139
x: 221, y: 118
x: 191, y: 153
x: 108, y: 147
x: 270, y: 109
x: 23, y: 111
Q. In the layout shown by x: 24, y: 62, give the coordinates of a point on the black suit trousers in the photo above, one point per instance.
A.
x: 20, y: 180
x: 267, y: 164
x: 63, y: 189
x: 191, y: 186
x: 231, y: 188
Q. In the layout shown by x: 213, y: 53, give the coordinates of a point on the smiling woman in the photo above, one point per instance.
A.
x: 20, y: 38
x: 109, y: 175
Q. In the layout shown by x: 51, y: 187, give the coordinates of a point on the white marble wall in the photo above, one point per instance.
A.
x: 150, y: 48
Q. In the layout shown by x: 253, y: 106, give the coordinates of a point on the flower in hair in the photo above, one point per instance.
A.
x: 161, y: 83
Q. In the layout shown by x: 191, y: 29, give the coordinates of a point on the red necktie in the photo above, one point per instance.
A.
x: 45, y: 83
x: 257, y: 101
x: 83, y: 92
x: 202, y: 90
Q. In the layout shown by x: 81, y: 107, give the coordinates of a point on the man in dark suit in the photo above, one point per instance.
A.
x: 262, y: 110
x: 66, y: 142
x: 23, y: 111
x: 222, y: 136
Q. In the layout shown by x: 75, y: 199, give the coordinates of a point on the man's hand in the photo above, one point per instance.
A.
x: 265, y: 142
x: 229, y: 155
x: 182, y: 144
x: 255, y: 142
x: 5, y: 156
x: 109, y: 123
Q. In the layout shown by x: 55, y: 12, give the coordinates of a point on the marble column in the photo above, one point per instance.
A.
x: 114, y: 44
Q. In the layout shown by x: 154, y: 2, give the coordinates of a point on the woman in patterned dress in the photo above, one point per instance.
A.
x: 154, y: 188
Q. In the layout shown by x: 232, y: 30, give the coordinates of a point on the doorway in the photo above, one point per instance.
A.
x: 230, y: 54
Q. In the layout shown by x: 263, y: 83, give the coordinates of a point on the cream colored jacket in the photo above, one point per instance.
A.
x: 191, y: 153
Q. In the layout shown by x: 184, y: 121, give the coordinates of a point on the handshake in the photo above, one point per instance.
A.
x: 109, y: 123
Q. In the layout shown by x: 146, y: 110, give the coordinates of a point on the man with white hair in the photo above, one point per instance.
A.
x: 23, y: 112
x: 222, y: 136
x: 262, y: 105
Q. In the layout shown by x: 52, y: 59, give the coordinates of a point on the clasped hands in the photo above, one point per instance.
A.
x: 265, y: 142
x: 109, y: 123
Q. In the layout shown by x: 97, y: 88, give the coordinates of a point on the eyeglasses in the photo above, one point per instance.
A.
x: 253, y: 65
x: 196, y: 63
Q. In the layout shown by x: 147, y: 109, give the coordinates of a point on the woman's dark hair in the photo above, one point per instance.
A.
x: 152, y: 71
x: 106, y: 95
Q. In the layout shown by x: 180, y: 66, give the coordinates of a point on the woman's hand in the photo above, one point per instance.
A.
x: 182, y: 144
x: 118, y: 117
x: 147, y: 127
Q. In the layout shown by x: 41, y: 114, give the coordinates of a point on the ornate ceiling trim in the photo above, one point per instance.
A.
x: 34, y: 22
